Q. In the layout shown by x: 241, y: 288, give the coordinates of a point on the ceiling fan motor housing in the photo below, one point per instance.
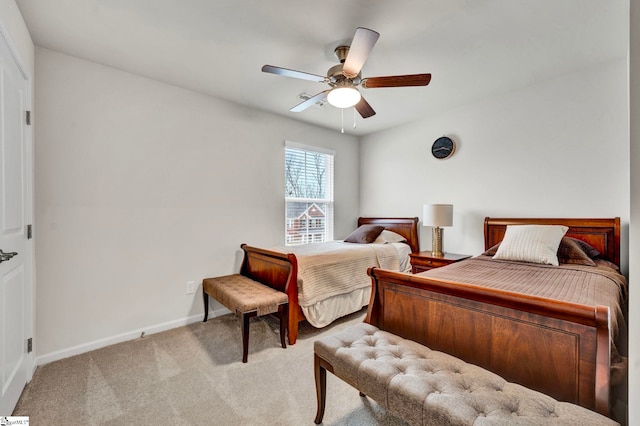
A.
x: 336, y: 77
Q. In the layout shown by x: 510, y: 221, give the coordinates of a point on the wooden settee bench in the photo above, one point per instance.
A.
x: 245, y: 295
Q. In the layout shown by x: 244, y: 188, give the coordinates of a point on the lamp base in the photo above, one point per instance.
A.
x: 436, y: 242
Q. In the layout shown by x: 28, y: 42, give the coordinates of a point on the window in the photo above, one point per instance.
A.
x: 308, y: 194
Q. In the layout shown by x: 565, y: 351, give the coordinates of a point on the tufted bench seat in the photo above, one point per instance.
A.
x: 427, y: 387
x: 246, y: 298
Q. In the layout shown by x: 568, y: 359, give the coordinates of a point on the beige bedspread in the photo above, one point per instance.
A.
x: 335, y: 267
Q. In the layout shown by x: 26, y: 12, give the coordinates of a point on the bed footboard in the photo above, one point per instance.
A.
x: 276, y: 270
x: 558, y: 348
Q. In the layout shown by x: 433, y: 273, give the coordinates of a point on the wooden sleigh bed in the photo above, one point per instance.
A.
x: 560, y: 348
x: 281, y: 270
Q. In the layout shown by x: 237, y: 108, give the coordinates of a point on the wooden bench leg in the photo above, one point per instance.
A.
x: 205, y: 298
x: 283, y: 314
x: 244, y: 324
x: 321, y: 387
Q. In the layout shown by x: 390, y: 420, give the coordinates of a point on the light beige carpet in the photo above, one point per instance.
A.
x: 193, y: 375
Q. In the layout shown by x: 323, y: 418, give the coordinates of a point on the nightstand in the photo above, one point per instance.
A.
x: 424, y: 261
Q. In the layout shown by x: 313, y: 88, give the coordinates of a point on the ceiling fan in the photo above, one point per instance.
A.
x: 345, y: 77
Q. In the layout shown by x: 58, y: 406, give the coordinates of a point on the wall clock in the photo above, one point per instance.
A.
x: 443, y: 148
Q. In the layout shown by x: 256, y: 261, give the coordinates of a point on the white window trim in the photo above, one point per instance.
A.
x: 318, y: 149
x: 331, y: 183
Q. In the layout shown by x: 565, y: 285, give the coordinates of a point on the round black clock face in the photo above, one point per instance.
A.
x: 443, y: 148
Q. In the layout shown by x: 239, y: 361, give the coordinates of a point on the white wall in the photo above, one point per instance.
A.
x: 634, y: 228
x: 558, y: 148
x: 11, y: 20
x: 142, y: 186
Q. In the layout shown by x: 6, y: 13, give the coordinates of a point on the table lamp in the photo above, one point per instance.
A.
x: 436, y: 216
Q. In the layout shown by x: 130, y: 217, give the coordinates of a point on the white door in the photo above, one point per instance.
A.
x: 15, y: 207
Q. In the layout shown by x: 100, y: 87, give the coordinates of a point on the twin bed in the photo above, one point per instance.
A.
x: 555, y: 329
x: 329, y: 280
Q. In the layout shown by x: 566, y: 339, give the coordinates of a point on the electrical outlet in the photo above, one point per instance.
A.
x: 191, y: 287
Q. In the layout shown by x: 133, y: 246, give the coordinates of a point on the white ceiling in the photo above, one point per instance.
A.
x: 473, y: 48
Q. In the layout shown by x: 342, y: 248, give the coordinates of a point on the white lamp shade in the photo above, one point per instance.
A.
x: 344, y: 97
x: 437, y: 215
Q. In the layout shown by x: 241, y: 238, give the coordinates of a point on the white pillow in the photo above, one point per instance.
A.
x: 389, y: 237
x: 531, y: 243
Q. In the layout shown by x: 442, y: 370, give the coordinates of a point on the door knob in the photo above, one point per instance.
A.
x: 6, y: 256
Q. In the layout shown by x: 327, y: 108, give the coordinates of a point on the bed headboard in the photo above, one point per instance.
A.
x: 405, y: 226
x: 601, y: 234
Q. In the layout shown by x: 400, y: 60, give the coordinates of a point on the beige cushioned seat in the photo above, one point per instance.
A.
x: 241, y: 294
x: 427, y: 387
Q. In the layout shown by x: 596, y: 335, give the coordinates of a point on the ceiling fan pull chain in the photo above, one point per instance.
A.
x: 354, y: 118
x: 342, y: 112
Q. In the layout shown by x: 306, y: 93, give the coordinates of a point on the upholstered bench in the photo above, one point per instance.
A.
x: 247, y: 299
x: 427, y: 387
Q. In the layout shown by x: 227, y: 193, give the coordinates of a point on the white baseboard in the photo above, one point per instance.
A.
x: 130, y: 335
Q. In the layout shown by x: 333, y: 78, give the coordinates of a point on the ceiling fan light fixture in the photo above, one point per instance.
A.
x: 343, y: 97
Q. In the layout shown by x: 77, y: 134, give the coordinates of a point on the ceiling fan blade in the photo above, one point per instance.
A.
x: 312, y: 100
x: 397, y: 81
x: 362, y: 43
x: 364, y: 109
x: 293, y: 73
